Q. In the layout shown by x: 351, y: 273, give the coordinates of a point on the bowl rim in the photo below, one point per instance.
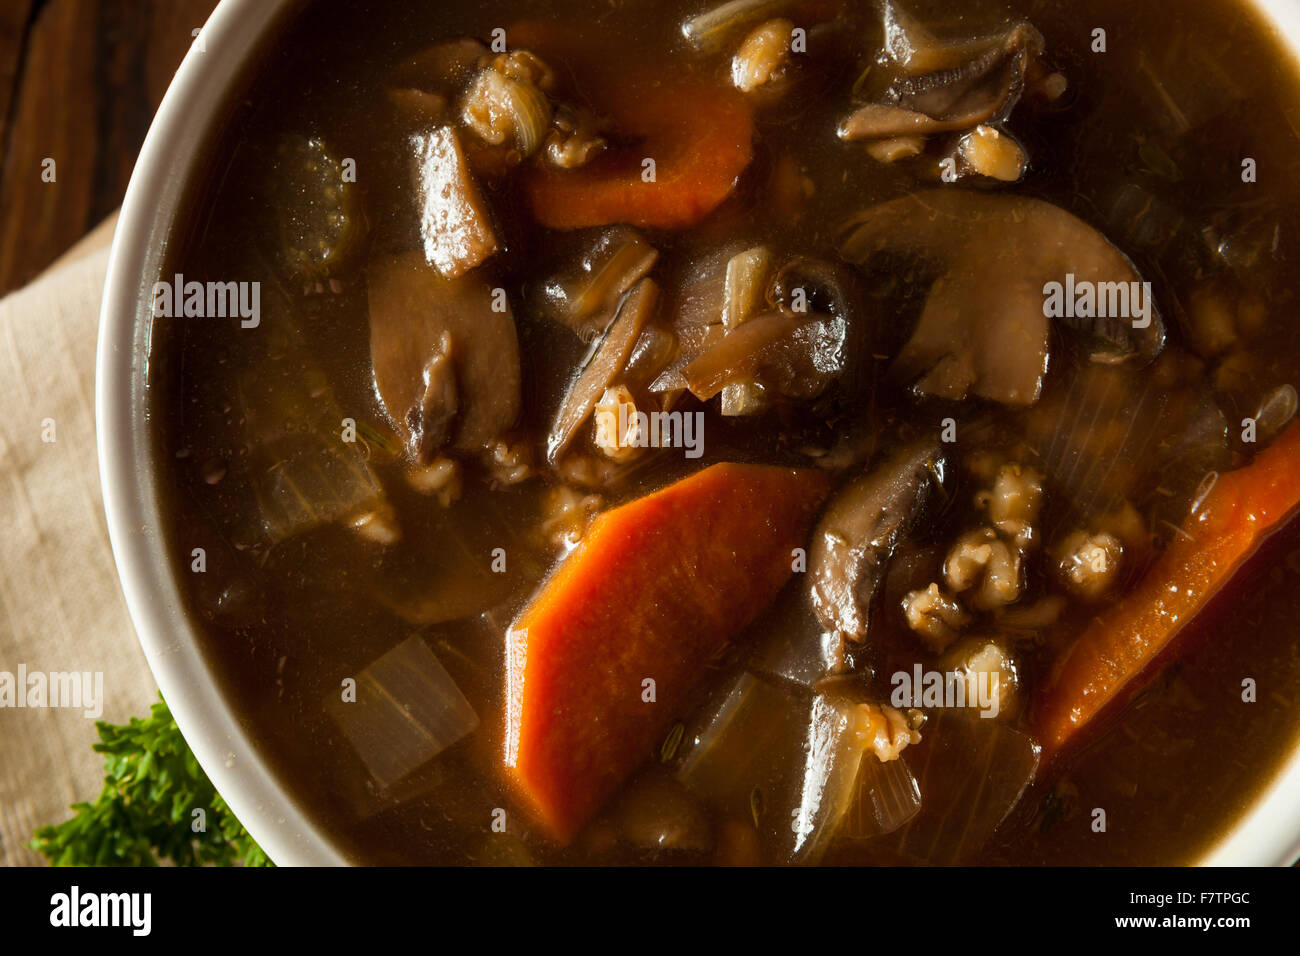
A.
x: 179, y: 131
x: 1267, y: 833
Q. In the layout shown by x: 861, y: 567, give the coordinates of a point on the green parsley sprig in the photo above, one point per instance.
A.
x: 152, y: 786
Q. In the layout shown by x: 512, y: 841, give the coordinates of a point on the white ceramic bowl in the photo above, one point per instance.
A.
x: 1269, y: 834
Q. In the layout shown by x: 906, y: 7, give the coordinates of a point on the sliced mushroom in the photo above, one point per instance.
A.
x: 440, y: 402
x: 585, y: 300
x: 738, y: 355
x: 911, y: 48
x: 417, y: 320
x: 859, y: 531
x: 811, y: 339
x: 984, y: 328
x: 973, y: 81
x: 790, y: 335
x: 830, y: 289
x: 608, y: 359
x: 655, y: 348
x: 455, y: 228
x: 696, y: 312
x: 929, y: 86
x: 797, y: 355
x: 876, y: 121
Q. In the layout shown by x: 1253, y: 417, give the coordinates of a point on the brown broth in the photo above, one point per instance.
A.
x: 282, y: 626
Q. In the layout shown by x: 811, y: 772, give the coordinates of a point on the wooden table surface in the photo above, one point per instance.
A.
x: 79, y: 83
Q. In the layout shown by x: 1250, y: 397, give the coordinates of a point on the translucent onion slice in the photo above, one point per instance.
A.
x: 407, y: 711
x: 795, y: 767
x: 972, y: 771
x: 744, y: 746
x: 887, y: 796
x: 832, y: 758
x: 1276, y: 411
x: 302, y: 475
x: 309, y: 480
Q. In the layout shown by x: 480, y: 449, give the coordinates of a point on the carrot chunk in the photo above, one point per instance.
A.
x: 696, y: 131
x: 1234, y: 519
x: 654, y: 592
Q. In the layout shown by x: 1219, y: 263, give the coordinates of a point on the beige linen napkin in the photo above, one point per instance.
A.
x: 61, y: 609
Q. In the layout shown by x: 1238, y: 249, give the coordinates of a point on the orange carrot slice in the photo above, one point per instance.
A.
x: 698, y: 133
x: 1234, y: 519
x: 698, y: 130
x: 655, y: 591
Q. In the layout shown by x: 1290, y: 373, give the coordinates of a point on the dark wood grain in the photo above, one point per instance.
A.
x: 79, y: 83
x: 14, y: 18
